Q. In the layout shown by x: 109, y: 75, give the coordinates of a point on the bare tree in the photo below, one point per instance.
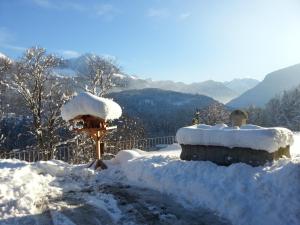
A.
x: 98, y: 76
x: 284, y: 110
x: 128, y: 128
x: 256, y: 115
x: 32, y: 78
x: 5, y: 65
x: 213, y: 114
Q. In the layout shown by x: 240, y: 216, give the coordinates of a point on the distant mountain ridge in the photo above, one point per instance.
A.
x: 273, y: 84
x: 241, y: 85
x: 220, y: 91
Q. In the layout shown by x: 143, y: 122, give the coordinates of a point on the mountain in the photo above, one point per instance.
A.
x: 216, y: 90
x: 222, y: 92
x: 161, y: 112
x: 273, y: 84
x: 241, y: 85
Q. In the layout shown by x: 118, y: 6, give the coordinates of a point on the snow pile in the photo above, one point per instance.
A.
x: 295, y: 148
x: 22, y: 189
x: 247, y: 136
x: 87, y: 104
x: 25, y: 188
x: 243, y: 194
x: 126, y: 155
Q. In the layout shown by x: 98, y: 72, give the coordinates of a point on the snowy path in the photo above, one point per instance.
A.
x: 133, y: 206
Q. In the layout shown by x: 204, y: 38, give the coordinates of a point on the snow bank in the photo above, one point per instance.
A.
x: 295, y: 148
x: 247, y: 136
x: 243, y: 194
x: 22, y: 189
x: 87, y: 104
x: 26, y: 187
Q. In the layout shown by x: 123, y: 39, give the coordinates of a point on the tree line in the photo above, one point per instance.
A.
x: 34, y: 91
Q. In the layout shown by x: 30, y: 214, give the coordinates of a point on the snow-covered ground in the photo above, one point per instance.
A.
x: 239, y: 193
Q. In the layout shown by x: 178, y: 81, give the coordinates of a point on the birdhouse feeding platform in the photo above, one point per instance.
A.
x: 90, y: 114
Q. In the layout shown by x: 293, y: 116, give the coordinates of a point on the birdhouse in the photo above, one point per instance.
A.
x: 238, y: 118
x: 89, y: 114
x: 88, y: 123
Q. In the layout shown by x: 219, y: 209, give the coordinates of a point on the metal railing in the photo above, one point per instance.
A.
x: 75, y: 154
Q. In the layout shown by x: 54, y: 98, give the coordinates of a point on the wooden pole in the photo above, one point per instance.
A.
x: 98, y: 145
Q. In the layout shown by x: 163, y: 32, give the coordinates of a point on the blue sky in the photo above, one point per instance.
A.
x: 181, y: 40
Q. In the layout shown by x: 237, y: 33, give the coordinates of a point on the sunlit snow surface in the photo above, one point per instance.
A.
x: 247, y: 136
x: 240, y: 193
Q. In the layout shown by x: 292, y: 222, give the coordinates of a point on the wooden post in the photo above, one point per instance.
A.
x: 102, y: 148
x: 96, y: 128
x: 98, y: 149
x: 98, y: 145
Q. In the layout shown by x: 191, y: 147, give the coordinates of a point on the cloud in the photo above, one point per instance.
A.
x: 43, y: 3
x: 107, y: 11
x: 162, y: 13
x: 6, y: 38
x: 13, y: 47
x: 69, y: 53
x: 158, y: 13
x: 5, y: 35
x: 184, y: 16
x: 60, y: 5
x: 104, y: 9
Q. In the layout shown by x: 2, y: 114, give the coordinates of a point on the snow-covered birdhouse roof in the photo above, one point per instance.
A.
x: 88, y: 104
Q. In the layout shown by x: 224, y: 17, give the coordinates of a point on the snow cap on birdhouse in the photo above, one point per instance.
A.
x: 88, y: 104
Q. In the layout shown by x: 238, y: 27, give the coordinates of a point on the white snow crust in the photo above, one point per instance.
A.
x: 88, y: 104
x: 246, y: 136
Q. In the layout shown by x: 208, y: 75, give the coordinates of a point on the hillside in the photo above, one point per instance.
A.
x: 161, y: 112
x: 273, y: 84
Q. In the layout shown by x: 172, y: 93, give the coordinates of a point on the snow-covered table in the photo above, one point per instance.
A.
x: 225, y: 145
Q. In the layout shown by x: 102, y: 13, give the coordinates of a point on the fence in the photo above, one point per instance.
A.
x: 75, y: 154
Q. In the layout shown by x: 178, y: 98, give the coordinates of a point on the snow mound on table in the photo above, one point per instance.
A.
x: 247, y: 136
x: 87, y: 104
x: 243, y: 194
